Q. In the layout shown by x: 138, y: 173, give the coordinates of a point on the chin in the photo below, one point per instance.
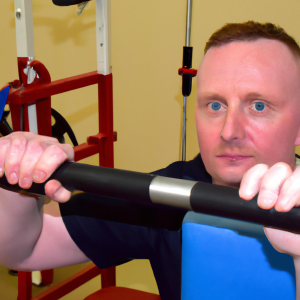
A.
x: 233, y: 180
x: 231, y: 175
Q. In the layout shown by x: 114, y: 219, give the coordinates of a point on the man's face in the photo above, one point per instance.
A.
x: 247, y: 110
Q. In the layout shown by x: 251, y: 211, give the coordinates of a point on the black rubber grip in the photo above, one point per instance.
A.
x: 187, y: 57
x: 225, y: 202
x: 187, y: 78
x: 186, y: 84
x: 132, y: 186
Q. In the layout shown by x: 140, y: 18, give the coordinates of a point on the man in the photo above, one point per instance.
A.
x: 248, y: 123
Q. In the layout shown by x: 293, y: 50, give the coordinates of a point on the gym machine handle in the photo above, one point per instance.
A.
x: 150, y: 189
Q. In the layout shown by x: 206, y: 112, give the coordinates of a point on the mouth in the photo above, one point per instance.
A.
x: 233, y: 157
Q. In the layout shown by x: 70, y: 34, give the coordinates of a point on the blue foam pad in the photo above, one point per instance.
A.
x: 236, y: 263
x: 3, y: 99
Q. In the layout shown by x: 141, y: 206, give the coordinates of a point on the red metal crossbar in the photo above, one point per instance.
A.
x: 39, y: 92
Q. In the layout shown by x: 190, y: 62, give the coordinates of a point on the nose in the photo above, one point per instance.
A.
x: 234, y: 126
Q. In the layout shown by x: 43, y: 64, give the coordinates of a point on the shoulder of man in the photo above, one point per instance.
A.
x: 188, y: 170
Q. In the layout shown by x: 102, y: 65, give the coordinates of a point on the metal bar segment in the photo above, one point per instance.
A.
x: 24, y: 28
x: 32, y: 118
x: 103, y: 17
x: 187, y: 44
x: 188, y: 23
x: 170, y: 191
x: 84, y: 150
x: 32, y: 93
x: 69, y: 284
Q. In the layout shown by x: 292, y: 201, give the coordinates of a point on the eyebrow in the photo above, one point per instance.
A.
x: 211, y: 96
x: 255, y: 95
x: 216, y: 96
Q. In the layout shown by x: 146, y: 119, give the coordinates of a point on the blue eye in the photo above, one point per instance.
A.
x: 215, y: 105
x: 259, y: 106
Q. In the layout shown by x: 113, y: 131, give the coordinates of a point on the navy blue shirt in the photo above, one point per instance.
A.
x: 111, y: 231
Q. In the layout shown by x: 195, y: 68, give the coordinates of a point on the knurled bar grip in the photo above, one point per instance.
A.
x: 148, y: 189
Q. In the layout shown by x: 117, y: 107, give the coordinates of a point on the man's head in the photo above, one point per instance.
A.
x: 251, y: 31
x: 248, y: 102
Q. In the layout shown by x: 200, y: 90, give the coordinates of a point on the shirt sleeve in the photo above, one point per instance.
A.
x: 108, y: 243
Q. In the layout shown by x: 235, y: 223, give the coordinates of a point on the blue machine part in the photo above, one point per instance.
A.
x: 3, y: 99
x: 229, y: 259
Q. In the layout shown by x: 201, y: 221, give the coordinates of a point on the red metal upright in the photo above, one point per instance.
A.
x: 30, y: 103
x: 39, y: 93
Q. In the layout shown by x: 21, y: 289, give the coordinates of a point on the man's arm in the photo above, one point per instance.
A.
x: 287, y: 242
x: 29, y: 241
x: 279, y: 188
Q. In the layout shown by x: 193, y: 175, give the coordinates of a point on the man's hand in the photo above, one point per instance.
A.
x: 27, y: 157
x: 279, y: 188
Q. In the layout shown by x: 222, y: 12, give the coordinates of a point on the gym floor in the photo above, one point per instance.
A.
x: 141, y: 279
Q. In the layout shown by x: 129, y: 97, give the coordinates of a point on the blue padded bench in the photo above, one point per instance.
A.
x: 229, y: 259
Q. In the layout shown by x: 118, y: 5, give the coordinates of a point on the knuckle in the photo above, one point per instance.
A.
x: 266, y: 192
x: 68, y: 146
x: 264, y: 167
x: 49, y: 139
x: 281, y: 166
x: 4, y: 143
x: 57, y: 152
x: 282, y: 208
x: 69, y: 149
x: 257, y: 171
x: 55, y: 140
x: 34, y: 146
x: 55, y: 148
x: 261, y: 167
x: 19, y: 141
x: 291, y: 181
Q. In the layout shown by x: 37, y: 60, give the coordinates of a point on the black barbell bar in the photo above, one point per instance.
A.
x: 149, y: 189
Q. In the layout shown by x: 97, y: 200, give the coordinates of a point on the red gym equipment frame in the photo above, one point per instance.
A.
x: 30, y: 101
x: 39, y: 93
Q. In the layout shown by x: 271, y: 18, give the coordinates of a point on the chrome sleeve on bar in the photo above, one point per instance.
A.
x: 172, y: 192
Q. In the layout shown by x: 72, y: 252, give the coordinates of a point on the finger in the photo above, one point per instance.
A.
x: 4, y: 147
x: 290, y: 193
x: 51, y: 158
x: 271, y: 185
x: 33, y: 152
x: 68, y: 149
x: 56, y: 191
x: 284, y: 241
x: 251, y: 181
x: 13, y: 158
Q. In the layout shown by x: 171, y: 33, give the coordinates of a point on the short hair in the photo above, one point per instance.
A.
x: 251, y: 31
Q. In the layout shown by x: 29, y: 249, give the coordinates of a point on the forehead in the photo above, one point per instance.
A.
x: 261, y: 64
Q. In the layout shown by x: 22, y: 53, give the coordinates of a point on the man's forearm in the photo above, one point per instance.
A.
x: 20, y: 226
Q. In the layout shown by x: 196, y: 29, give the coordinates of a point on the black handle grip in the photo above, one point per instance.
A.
x: 224, y: 201
x: 186, y: 78
x: 132, y: 186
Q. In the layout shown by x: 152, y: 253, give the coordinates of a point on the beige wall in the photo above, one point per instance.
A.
x: 147, y: 40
